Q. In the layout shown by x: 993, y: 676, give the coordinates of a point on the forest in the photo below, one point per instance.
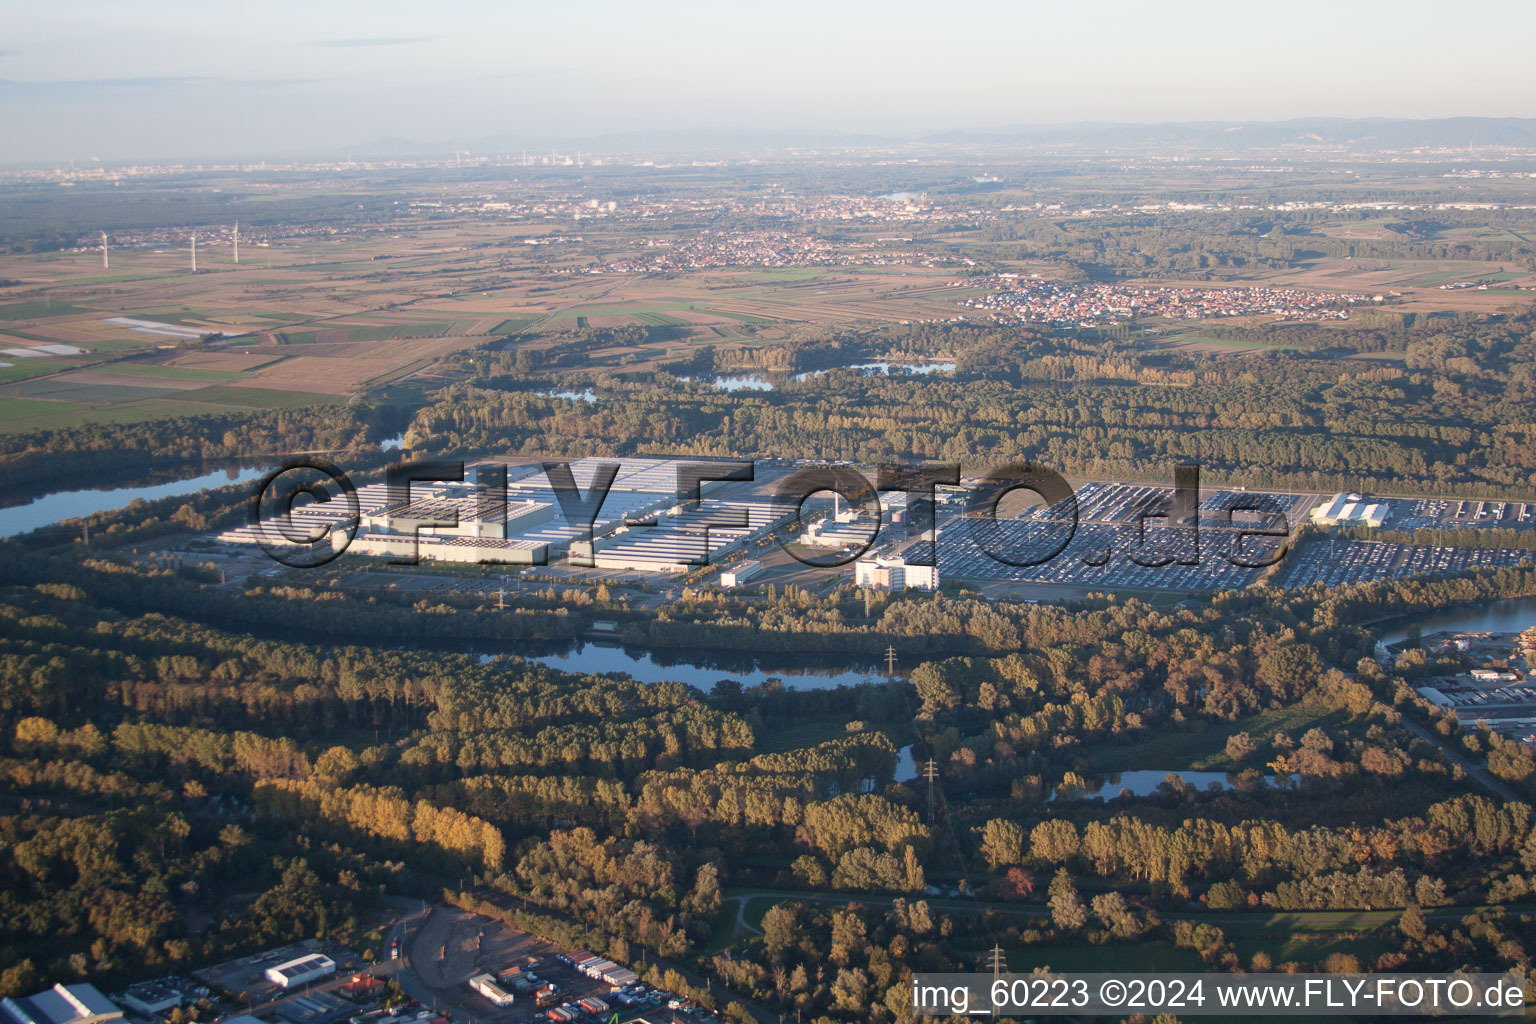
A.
x: 150, y: 758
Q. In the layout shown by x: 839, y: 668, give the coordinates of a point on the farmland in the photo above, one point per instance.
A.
x: 298, y: 320
x: 385, y: 293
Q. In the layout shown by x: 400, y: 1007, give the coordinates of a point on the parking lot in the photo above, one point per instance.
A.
x: 1337, y: 562
x: 1108, y: 532
x: 1456, y: 514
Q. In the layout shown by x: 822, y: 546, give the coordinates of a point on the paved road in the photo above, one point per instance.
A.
x: 1478, y: 773
x: 406, y: 929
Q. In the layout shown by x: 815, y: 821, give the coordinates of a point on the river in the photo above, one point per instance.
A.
x: 61, y: 505
x: 51, y: 509
x: 1511, y: 615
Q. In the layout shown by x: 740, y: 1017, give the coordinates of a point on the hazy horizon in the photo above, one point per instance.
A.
x: 174, y: 79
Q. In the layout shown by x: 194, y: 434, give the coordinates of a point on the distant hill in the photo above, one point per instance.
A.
x: 1375, y: 133
x: 1370, y: 134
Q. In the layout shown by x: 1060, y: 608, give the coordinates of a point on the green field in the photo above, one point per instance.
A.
x: 253, y: 398
x: 394, y: 332
x: 1145, y: 957
x: 26, y: 413
x: 1201, y: 751
x: 513, y: 324
x: 12, y: 332
x: 1235, y: 344
x: 1305, y: 945
x: 746, y: 318
x: 343, y: 333
x: 91, y: 394
x: 24, y: 369
x: 1471, y: 273
x: 171, y: 372
x: 38, y: 308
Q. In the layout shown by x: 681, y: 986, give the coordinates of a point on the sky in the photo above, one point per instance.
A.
x: 172, y: 79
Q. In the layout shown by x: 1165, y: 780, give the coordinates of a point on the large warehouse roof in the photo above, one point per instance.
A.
x: 62, y: 1004
x: 1345, y: 509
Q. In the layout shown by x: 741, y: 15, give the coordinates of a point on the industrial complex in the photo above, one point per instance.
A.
x: 1107, y: 536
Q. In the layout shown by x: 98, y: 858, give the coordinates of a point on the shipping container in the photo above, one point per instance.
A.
x: 618, y: 977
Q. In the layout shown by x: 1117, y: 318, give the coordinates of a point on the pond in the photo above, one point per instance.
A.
x: 736, y: 382
x: 1144, y: 782
x: 655, y: 666
x: 746, y: 382
x: 61, y: 505
x: 882, y: 366
x: 1511, y: 615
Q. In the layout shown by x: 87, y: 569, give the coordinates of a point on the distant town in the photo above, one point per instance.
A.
x: 1062, y: 304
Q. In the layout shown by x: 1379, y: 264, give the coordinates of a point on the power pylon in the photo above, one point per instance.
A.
x: 890, y: 659
x: 931, y: 772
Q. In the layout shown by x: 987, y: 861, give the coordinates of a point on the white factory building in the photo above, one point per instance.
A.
x: 486, y: 986
x: 741, y: 572
x: 684, y: 539
x: 531, y: 528
x: 891, y: 571
x: 834, y: 534
x: 1350, y: 510
x: 302, y: 971
x: 471, y: 515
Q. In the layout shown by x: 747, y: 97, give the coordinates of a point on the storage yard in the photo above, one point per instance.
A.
x: 567, y: 988
x: 503, y: 976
